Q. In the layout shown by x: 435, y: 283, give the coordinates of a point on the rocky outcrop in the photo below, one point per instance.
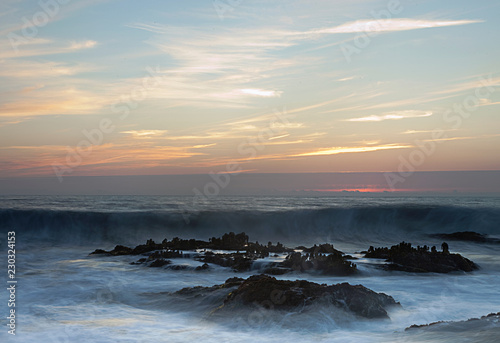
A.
x: 323, y: 259
x: 262, y: 291
x: 160, y: 262
x: 331, y: 264
x: 228, y: 241
x: 200, y: 291
x: 404, y: 257
x: 466, y: 236
x: 239, y: 262
x: 485, y: 320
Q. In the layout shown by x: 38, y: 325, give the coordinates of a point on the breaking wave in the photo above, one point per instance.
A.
x: 361, y: 224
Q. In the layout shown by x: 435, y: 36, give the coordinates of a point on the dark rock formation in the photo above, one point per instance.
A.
x: 118, y: 250
x: 332, y: 264
x: 229, y: 241
x: 204, y: 266
x: 466, y: 236
x: 160, y: 262
x: 321, y: 249
x: 492, y: 317
x: 237, y: 261
x: 200, y: 291
x: 262, y: 291
x: 404, y: 257
x: 324, y: 259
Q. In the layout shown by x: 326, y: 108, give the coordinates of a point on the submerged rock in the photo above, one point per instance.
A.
x: 266, y: 292
x: 204, y: 266
x: 160, y: 262
x: 200, y: 291
x: 118, y: 250
x: 463, y: 325
x: 404, y: 257
x: 467, y: 236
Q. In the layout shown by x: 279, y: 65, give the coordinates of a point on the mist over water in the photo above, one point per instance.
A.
x: 65, y: 295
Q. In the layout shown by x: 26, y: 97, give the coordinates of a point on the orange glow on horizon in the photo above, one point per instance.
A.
x: 371, y: 190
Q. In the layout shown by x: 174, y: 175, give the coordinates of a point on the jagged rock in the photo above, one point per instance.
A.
x: 237, y: 261
x: 332, y: 264
x: 322, y: 249
x: 404, y: 257
x: 292, y: 296
x: 123, y: 250
x: 229, y: 241
x: 165, y: 254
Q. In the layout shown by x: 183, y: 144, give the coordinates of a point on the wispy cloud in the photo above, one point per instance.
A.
x: 393, y: 116
x: 82, y: 45
x: 261, y: 92
x: 145, y: 133
x: 43, y: 47
x: 346, y: 150
x: 388, y: 25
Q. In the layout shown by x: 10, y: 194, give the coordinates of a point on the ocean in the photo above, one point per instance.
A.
x: 63, y: 294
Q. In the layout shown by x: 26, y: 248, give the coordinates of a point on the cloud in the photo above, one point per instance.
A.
x: 82, y: 45
x: 389, y: 25
x: 42, y: 47
x: 232, y: 67
x: 261, y: 92
x: 145, y: 133
x: 345, y: 150
x: 394, y: 116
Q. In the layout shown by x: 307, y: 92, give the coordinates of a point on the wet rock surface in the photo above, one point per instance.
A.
x: 492, y: 318
x: 236, y: 252
x: 466, y: 236
x: 323, y: 258
x: 404, y: 257
x: 266, y: 292
x: 328, y: 264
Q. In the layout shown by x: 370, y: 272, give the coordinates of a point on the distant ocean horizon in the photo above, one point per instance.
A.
x: 216, y: 183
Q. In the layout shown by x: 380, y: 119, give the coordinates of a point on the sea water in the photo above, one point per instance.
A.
x: 65, y: 295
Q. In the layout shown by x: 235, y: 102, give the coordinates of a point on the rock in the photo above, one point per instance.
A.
x: 140, y: 261
x: 237, y: 261
x: 200, y: 291
x: 165, y: 254
x: 160, y: 262
x: 490, y: 318
x: 322, y: 249
x: 292, y: 296
x: 276, y: 270
x: 332, y: 264
x: 466, y: 236
x: 100, y: 252
x: 205, y: 266
x: 121, y: 250
x: 178, y: 267
x: 404, y: 257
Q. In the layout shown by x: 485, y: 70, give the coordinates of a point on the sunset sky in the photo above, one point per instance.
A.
x: 103, y: 87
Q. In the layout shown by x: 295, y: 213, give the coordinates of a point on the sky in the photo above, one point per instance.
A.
x: 107, y: 88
